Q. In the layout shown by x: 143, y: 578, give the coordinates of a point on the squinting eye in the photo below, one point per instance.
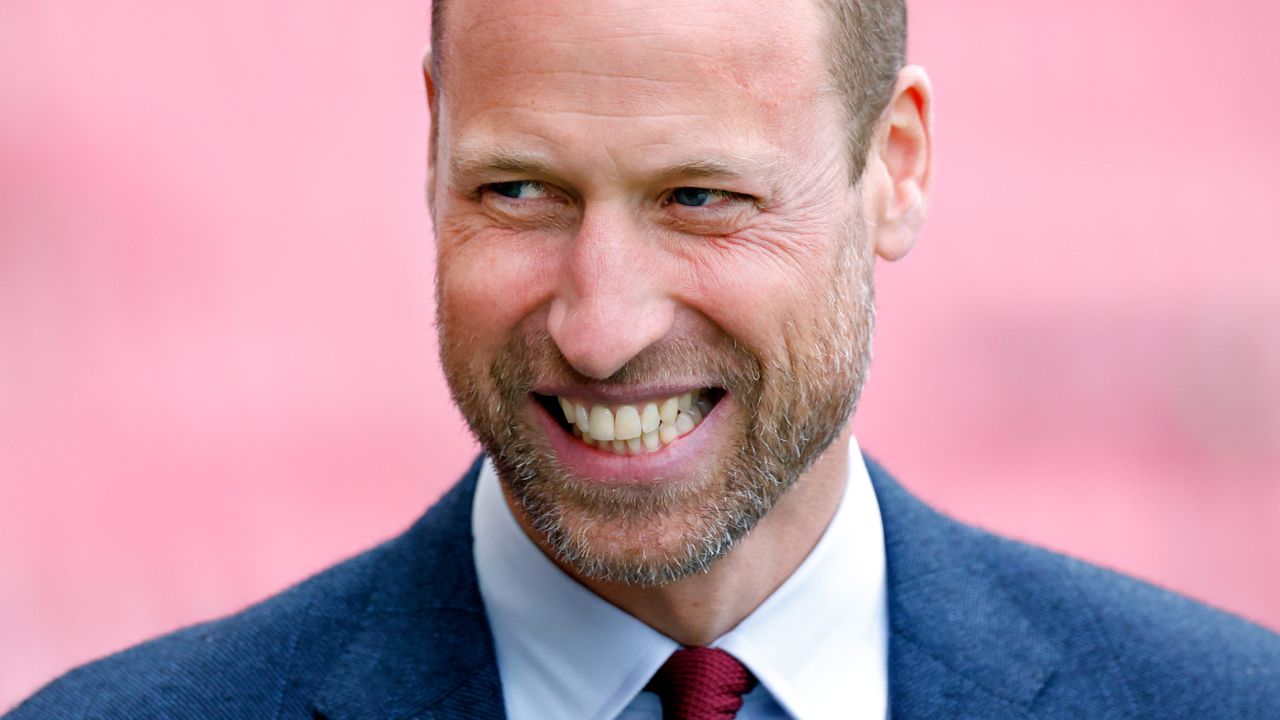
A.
x: 520, y: 189
x: 701, y: 197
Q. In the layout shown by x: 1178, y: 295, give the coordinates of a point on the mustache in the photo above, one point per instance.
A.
x: 533, y: 360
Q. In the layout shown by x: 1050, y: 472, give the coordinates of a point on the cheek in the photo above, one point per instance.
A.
x: 765, y: 289
x: 489, y: 279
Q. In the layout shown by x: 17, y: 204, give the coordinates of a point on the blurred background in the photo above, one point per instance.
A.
x: 217, y: 358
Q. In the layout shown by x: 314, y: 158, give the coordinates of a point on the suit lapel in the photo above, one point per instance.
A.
x: 422, y: 648
x: 960, y: 645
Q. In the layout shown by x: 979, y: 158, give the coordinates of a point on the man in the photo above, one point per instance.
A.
x: 656, y: 230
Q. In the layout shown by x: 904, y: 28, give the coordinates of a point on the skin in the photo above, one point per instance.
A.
x: 610, y: 106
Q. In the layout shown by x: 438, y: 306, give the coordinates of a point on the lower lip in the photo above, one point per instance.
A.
x: 667, y: 463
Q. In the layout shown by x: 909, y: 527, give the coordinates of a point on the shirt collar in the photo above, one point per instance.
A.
x: 818, y: 644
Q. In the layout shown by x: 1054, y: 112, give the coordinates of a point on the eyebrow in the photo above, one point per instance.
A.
x: 467, y: 165
x: 703, y: 167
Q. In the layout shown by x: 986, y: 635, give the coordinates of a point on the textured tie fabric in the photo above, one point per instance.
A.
x: 701, y: 684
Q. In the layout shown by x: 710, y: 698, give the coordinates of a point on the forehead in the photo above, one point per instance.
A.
x: 545, y: 67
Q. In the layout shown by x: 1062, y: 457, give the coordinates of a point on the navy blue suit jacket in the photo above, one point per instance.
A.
x: 981, y: 627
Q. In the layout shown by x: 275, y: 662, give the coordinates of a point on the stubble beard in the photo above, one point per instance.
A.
x: 788, y: 411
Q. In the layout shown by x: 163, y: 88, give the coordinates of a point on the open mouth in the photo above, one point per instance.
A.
x: 635, y: 428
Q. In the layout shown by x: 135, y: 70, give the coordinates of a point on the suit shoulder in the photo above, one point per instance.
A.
x: 237, y: 666
x: 266, y: 661
x: 1106, y: 625
x: 1171, y: 651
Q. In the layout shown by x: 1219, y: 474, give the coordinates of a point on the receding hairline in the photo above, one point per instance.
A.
x: 866, y: 47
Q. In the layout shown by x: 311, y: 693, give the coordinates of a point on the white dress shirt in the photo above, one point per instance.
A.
x: 818, y: 644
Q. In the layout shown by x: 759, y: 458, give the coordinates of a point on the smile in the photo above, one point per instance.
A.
x: 632, y: 428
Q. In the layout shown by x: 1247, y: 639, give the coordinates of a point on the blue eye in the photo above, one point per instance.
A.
x: 519, y: 189
x: 692, y: 196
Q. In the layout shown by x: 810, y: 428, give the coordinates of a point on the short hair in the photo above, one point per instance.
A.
x: 867, y: 46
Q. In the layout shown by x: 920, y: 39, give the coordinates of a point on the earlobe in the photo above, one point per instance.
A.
x: 904, y: 160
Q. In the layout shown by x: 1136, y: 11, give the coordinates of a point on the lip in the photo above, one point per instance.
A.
x: 618, y: 395
x: 665, y: 465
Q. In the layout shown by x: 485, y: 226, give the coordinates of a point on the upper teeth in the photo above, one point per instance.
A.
x: 632, y: 429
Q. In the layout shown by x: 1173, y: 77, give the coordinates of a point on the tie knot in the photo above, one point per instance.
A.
x: 701, y: 684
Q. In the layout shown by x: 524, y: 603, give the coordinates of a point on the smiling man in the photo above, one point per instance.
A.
x: 657, y: 226
x: 658, y: 337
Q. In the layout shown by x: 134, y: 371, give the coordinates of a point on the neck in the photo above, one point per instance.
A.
x: 698, y: 609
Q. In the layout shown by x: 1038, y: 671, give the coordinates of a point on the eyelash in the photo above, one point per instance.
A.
x: 492, y: 187
x: 726, y: 195
x: 668, y: 198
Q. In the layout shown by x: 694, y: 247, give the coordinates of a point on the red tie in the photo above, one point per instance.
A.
x: 701, y: 683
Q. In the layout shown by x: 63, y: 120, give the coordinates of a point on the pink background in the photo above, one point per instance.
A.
x: 217, y: 360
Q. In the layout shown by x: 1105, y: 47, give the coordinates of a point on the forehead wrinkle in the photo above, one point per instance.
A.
x: 746, y: 39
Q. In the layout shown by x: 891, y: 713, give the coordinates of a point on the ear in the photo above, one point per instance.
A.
x: 427, y: 59
x: 901, y: 163
x: 433, y: 105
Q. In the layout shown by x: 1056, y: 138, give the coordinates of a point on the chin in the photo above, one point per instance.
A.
x: 647, y: 531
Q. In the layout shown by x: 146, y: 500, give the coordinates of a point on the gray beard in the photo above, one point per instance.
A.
x: 789, y: 412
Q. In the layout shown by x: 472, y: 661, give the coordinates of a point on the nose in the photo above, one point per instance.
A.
x: 612, y: 301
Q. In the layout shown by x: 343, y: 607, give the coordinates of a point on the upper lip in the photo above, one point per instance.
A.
x: 618, y: 394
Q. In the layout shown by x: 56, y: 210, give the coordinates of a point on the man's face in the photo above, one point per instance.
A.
x: 653, y: 271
